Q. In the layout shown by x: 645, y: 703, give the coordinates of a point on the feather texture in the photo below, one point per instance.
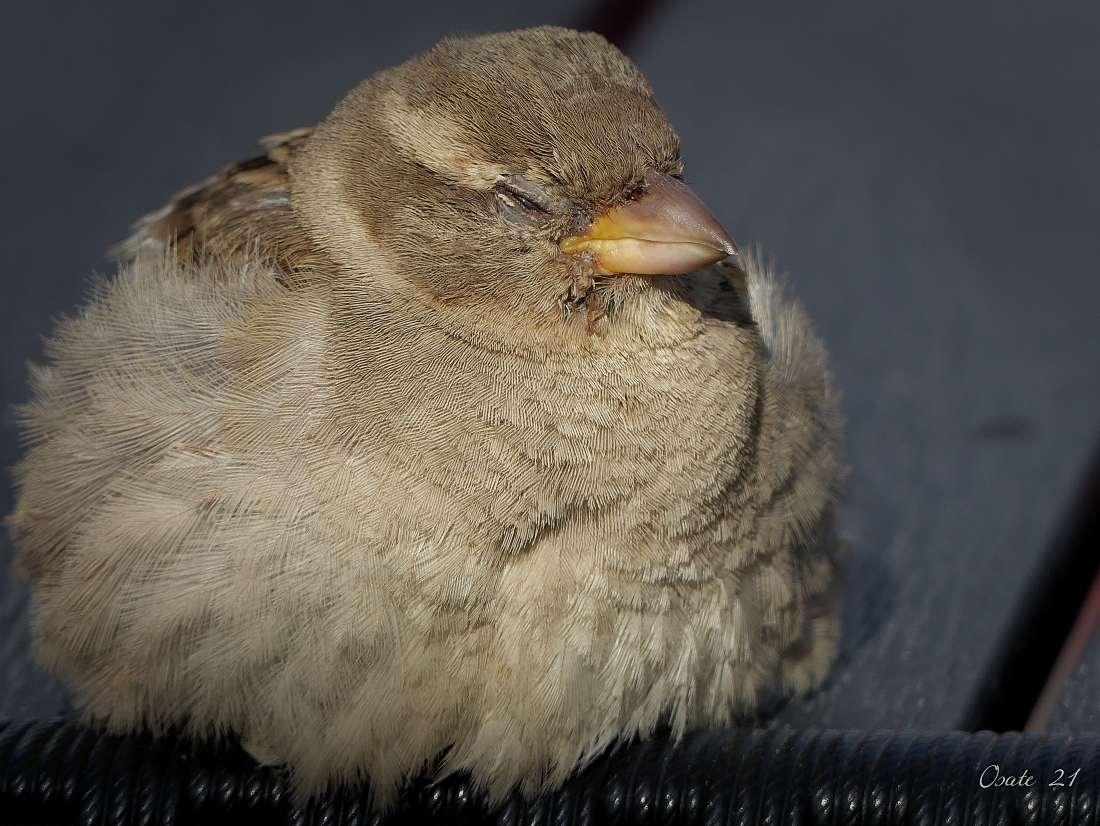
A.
x: 278, y: 487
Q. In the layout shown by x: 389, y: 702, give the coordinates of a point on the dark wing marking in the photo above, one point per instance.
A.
x: 244, y: 208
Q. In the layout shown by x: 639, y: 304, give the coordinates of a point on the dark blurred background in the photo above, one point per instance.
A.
x: 928, y: 174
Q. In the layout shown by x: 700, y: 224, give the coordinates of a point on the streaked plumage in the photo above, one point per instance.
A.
x: 353, y: 460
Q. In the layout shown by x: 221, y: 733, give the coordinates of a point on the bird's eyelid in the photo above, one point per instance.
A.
x: 527, y: 190
x: 524, y: 201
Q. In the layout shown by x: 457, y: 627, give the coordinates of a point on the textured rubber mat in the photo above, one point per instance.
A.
x: 55, y: 772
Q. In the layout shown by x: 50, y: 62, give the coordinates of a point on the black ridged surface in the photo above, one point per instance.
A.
x: 56, y: 773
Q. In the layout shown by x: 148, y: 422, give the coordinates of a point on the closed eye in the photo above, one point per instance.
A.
x: 524, y: 202
x: 527, y: 194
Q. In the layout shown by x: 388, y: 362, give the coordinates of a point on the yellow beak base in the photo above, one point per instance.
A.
x: 667, y: 231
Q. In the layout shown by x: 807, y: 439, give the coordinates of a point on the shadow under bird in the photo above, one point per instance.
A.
x: 452, y: 434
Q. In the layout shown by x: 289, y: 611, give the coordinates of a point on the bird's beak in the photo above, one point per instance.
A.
x: 667, y: 231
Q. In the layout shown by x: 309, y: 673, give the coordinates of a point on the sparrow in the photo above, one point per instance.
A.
x: 453, y: 434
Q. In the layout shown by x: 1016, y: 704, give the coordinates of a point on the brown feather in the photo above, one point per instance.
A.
x: 354, y: 462
x: 244, y: 209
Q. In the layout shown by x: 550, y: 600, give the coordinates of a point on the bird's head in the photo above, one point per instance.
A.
x: 519, y: 173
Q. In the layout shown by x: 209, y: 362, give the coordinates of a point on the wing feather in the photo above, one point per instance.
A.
x: 244, y: 209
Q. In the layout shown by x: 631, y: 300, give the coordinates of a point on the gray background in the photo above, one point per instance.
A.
x: 927, y: 173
